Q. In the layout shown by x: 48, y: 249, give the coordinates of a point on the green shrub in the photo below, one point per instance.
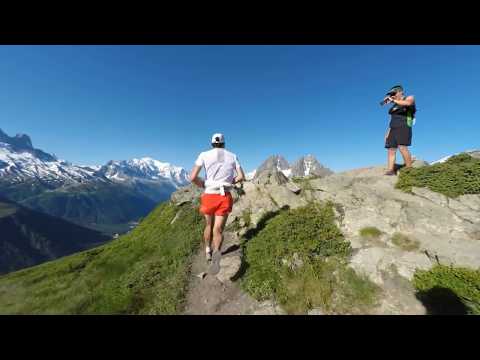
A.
x: 457, y: 176
x: 462, y: 283
x: 370, y: 231
x: 246, y: 216
x: 323, y: 279
x: 404, y: 242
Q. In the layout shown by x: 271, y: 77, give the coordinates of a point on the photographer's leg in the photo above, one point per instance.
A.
x: 407, y: 158
x: 391, y: 159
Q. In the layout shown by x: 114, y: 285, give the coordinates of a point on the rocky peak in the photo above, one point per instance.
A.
x: 19, y: 141
x: 273, y: 163
x: 309, y: 165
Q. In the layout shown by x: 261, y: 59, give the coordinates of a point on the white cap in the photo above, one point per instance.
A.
x: 218, y: 139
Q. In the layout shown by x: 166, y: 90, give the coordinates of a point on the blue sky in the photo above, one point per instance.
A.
x: 91, y: 104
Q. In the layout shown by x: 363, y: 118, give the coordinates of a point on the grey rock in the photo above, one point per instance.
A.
x: 293, y: 187
x: 315, y: 312
x: 229, y: 267
x: 470, y: 201
x: 268, y: 308
x: 370, y: 199
x: 190, y: 193
x: 474, y: 153
x: 417, y: 163
x: 434, y: 197
x: 374, y: 261
x: 270, y: 177
x: 398, y: 296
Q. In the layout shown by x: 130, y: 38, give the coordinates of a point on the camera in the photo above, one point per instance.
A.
x: 384, y: 102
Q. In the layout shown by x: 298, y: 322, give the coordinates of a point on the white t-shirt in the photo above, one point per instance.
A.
x: 220, y: 165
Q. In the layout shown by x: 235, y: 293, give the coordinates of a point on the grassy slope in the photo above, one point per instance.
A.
x: 144, y: 272
x: 28, y: 238
x: 308, y: 237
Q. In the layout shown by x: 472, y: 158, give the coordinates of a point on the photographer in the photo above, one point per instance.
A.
x: 399, y: 133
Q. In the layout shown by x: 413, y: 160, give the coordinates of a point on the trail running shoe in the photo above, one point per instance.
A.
x: 215, y: 265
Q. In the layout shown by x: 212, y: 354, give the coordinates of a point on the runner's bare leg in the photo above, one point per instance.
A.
x: 207, y: 233
x: 218, y: 231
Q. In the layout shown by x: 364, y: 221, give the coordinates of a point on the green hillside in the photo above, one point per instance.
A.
x: 93, y: 204
x: 143, y: 272
x: 28, y: 237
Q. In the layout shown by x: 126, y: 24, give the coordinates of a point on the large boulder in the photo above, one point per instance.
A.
x: 190, y: 193
x: 446, y: 228
x: 270, y: 177
x: 267, y: 193
x: 418, y: 163
x: 475, y: 154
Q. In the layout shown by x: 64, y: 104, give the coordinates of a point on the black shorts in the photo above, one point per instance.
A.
x: 399, y: 136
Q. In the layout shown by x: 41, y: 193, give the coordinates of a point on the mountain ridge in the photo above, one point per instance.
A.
x: 124, y: 190
x: 305, y: 166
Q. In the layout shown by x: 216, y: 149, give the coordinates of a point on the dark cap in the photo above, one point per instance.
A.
x: 395, y: 89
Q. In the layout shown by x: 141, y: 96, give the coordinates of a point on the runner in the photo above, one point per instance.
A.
x: 222, y: 170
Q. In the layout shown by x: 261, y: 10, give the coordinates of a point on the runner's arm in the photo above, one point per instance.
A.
x: 194, y: 178
x: 240, y: 175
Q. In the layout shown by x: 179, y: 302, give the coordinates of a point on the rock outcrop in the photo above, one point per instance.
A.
x: 443, y: 230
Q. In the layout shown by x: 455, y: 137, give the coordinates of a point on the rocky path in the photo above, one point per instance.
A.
x: 218, y: 294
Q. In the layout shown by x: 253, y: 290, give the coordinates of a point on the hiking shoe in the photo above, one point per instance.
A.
x: 390, y: 173
x: 208, y: 254
x: 215, y: 265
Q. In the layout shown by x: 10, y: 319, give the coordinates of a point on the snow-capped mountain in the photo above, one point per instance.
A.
x: 305, y: 166
x: 308, y: 166
x: 20, y: 161
x: 93, y: 168
x: 145, y: 169
x: 473, y: 153
x: 109, y: 196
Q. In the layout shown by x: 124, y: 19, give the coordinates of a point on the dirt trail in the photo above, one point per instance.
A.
x: 210, y: 296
